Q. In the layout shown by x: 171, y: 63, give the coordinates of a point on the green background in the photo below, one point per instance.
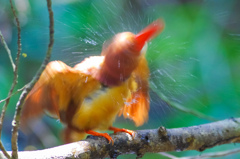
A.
x: 195, y: 62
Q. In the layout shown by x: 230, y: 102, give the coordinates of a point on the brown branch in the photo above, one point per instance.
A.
x: 15, y: 72
x: 156, y: 140
x: 19, y: 90
x: 9, y: 94
x: 2, y: 117
x: 8, y: 50
x: 19, y: 43
x: 15, y: 122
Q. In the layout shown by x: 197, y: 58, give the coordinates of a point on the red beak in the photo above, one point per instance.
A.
x: 148, y: 33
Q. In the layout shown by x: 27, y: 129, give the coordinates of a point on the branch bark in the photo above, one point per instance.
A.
x: 15, y: 72
x: 16, y: 118
x: 156, y: 140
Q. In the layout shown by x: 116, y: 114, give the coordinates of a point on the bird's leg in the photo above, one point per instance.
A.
x: 132, y: 133
x: 106, y: 135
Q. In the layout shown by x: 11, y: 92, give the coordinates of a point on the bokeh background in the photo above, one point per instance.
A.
x: 195, y: 62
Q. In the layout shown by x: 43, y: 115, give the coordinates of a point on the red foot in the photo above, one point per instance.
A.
x: 94, y: 133
x: 132, y: 133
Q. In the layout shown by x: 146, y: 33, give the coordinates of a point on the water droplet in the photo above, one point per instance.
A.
x: 119, y: 64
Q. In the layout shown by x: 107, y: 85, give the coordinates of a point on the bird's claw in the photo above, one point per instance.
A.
x: 115, y: 130
x: 109, y: 138
x: 106, y: 135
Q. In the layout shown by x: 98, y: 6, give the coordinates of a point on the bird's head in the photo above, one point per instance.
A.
x: 123, y: 52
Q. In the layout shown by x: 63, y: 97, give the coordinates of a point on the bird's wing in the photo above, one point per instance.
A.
x: 45, y: 94
x: 137, y: 105
x: 59, y: 91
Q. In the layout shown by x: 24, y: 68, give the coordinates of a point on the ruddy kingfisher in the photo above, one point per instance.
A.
x: 89, y: 96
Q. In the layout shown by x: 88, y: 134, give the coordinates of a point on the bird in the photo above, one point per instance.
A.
x: 88, y: 97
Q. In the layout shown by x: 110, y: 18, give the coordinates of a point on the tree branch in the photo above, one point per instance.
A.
x: 15, y: 72
x: 19, y: 90
x: 8, y: 50
x: 156, y: 140
x: 4, y: 108
x: 15, y: 122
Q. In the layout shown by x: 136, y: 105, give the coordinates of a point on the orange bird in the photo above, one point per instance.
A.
x: 90, y: 95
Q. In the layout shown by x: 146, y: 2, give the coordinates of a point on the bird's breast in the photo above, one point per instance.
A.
x: 91, y: 97
x: 100, y: 108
